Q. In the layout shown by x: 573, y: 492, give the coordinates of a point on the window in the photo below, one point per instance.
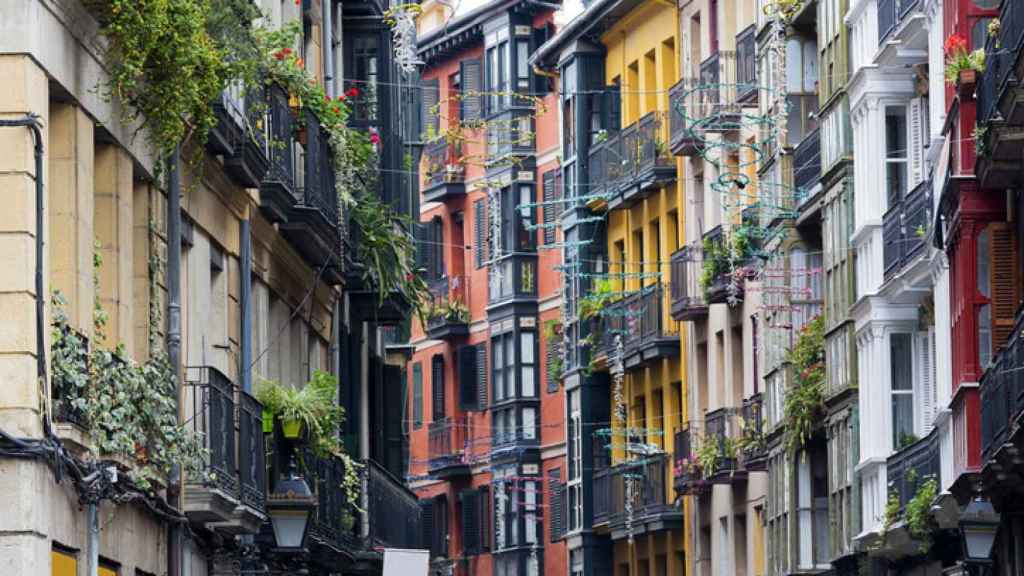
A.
x: 902, y: 385
x: 984, y: 286
x: 63, y: 563
x: 473, y: 377
x: 528, y: 368
x: 517, y: 522
x: 522, y: 64
x: 895, y: 153
x: 417, y: 395
x: 497, y: 62
x: 437, y: 387
x: 475, y: 511
x: 503, y: 366
x: 574, y: 462
x: 364, y: 74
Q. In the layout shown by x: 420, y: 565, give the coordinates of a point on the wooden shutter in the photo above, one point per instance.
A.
x: 925, y: 382
x: 557, y: 507
x: 417, y: 395
x: 480, y: 231
x: 427, y: 525
x: 468, y: 396
x: 471, y: 76
x: 437, y: 387
x: 481, y: 376
x: 915, y: 148
x: 1005, y: 283
x: 470, y: 500
x: 441, y: 522
x: 430, y: 116
x: 550, y: 210
x: 484, y: 504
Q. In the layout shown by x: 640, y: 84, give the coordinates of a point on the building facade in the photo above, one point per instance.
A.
x: 234, y: 262
x: 487, y: 433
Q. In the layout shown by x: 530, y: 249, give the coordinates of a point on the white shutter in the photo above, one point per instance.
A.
x: 925, y: 381
x: 915, y: 153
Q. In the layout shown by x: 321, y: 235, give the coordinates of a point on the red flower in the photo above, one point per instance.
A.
x: 955, y: 43
x: 341, y: 98
x: 326, y: 98
x: 352, y: 92
x: 408, y: 277
x: 286, y: 51
x: 279, y: 55
x: 336, y: 110
x: 298, y: 2
x: 374, y: 138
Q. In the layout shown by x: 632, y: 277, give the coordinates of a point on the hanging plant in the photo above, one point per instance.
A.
x: 962, y: 66
x: 311, y: 408
x: 402, y: 20
x: 805, y: 401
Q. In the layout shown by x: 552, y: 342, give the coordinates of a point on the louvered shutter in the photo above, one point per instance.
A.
x: 553, y: 348
x: 417, y: 395
x: 470, y: 500
x: 428, y: 113
x: 481, y: 376
x: 469, y: 398
x: 427, y: 525
x: 437, y: 387
x: 1004, y: 282
x: 441, y: 521
x: 915, y: 152
x: 484, y: 504
x: 556, y: 508
x: 549, y: 208
x: 480, y: 232
x: 471, y: 76
x: 926, y: 382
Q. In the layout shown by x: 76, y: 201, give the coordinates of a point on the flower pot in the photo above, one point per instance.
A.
x: 295, y: 104
x: 292, y: 429
x: 268, y: 421
x: 966, y: 82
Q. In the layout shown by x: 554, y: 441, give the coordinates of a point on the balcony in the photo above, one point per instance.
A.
x: 443, y: 172
x: 753, y: 450
x: 513, y: 277
x: 393, y: 510
x: 448, y: 318
x: 640, y: 320
x: 688, y: 478
x: 597, y: 176
x: 723, y: 276
x: 1002, y: 401
x: 905, y: 229
x: 746, y: 66
x: 687, y: 298
x: 685, y: 137
x: 509, y: 133
x: 447, y: 448
x: 1000, y: 103
x: 278, y: 189
x: 807, y: 166
x: 721, y: 438
x: 719, y: 106
x: 892, y: 14
x: 313, y: 223
x: 632, y: 498
x: 240, y: 136
x: 912, y: 466
x: 332, y: 529
x: 228, y: 497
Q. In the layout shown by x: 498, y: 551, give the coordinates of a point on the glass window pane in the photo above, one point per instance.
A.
x: 900, y: 356
x: 983, y: 272
x: 526, y: 340
x: 497, y: 357
x: 902, y: 420
x: 522, y: 58
x: 529, y: 381
x: 896, y: 132
x: 985, y: 335
x: 529, y: 424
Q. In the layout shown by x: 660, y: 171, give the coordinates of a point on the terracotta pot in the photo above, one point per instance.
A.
x: 965, y: 84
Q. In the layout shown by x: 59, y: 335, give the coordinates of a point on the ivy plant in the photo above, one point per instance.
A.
x: 805, y: 398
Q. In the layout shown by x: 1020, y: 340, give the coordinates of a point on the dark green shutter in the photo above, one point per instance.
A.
x: 471, y: 76
x: 468, y: 396
x: 470, y: 500
x: 441, y: 522
x: 553, y: 349
x: 417, y: 395
x: 484, y: 496
x: 427, y: 524
x: 481, y: 376
x: 430, y: 116
x: 557, y: 506
x: 550, y: 210
x: 480, y: 231
x: 437, y: 387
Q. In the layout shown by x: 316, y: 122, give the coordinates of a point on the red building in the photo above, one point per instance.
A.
x: 486, y: 411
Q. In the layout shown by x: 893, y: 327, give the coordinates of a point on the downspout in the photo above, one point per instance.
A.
x: 31, y: 121
x: 174, y: 536
x: 93, y: 528
x: 326, y: 18
x: 246, y: 305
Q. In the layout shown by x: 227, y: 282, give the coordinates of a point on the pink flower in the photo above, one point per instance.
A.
x: 374, y: 138
x: 352, y: 92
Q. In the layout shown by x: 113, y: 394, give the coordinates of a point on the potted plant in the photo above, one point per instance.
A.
x: 309, y: 410
x: 962, y: 67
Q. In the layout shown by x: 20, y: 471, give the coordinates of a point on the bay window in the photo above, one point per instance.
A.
x: 895, y: 154
x: 575, y: 461
x: 902, y: 387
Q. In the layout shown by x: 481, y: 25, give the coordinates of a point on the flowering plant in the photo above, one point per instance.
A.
x: 959, y: 59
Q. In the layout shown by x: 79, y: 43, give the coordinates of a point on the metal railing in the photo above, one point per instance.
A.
x: 282, y: 138
x: 638, y: 318
x: 1002, y: 392
x: 752, y: 414
x: 746, y: 64
x: 719, y: 103
x: 687, y: 297
x: 642, y: 483
x: 687, y: 475
x: 653, y: 145
x: 999, y: 62
x: 807, y: 164
x: 212, y: 414
x: 722, y: 428
x: 683, y: 108
x: 317, y: 183
x: 441, y: 164
x: 393, y: 510
x: 446, y: 442
x: 444, y: 292
x: 908, y: 469
x: 333, y: 519
x: 597, y: 170
x: 252, y: 469
x: 905, y: 228
x: 891, y: 13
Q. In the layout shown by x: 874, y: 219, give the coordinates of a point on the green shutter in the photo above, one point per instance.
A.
x: 417, y: 395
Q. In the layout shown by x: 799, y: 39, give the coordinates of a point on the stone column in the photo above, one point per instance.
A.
x: 70, y: 195
x: 113, y: 224
x: 24, y: 545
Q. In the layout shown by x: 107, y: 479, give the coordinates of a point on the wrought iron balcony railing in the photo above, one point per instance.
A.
x: 687, y: 297
x: 639, y: 320
x: 683, y: 107
x: 252, y: 468
x: 753, y: 449
x: 278, y: 191
x: 632, y: 491
x: 333, y: 522
x: 719, y: 105
x: 1001, y: 53
x: 905, y: 228
x: 449, y: 316
x: 393, y: 510
x: 722, y: 429
x: 447, y: 443
x: 688, y: 478
x: 807, y: 165
x: 915, y: 464
x: 443, y: 170
x: 211, y: 411
x: 1002, y: 392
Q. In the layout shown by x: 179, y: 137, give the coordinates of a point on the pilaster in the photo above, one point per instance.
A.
x: 113, y: 225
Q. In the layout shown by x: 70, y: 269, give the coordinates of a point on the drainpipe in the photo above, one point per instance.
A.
x: 31, y: 121
x: 246, y: 304
x: 93, y: 527
x: 174, y: 536
x: 328, y: 43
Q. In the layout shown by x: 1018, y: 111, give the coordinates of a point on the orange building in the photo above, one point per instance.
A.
x: 485, y: 410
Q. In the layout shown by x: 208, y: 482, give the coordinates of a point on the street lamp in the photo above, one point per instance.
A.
x: 978, y: 527
x: 290, y: 507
